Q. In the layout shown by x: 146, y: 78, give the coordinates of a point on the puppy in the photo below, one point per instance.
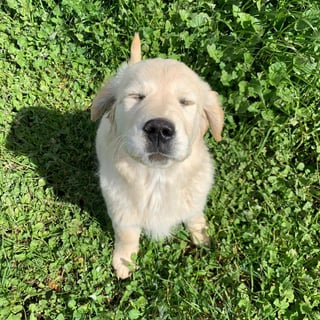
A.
x: 154, y: 168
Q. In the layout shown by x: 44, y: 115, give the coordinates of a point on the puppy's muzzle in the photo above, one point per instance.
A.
x: 160, y: 133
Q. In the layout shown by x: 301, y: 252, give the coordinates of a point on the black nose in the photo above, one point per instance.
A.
x: 159, y: 131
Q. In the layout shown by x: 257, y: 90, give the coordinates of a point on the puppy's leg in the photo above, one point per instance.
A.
x: 198, y: 227
x: 126, y: 243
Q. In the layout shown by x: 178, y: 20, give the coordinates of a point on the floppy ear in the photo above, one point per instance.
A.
x: 103, y: 101
x: 105, y: 98
x: 214, y: 114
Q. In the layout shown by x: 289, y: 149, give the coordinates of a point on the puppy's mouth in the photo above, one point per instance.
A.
x: 158, y: 157
x: 153, y: 159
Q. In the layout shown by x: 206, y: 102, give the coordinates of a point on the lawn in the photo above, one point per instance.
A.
x: 264, y: 210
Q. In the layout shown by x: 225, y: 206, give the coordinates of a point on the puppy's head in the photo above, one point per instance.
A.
x: 158, y: 108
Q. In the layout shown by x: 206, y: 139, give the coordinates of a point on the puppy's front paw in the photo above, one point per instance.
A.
x: 200, y: 237
x: 199, y: 230
x: 121, y: 266
x: 126, y: 244
x: 122, y: 271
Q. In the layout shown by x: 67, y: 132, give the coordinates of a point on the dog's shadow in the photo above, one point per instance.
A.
x: 61, y: 145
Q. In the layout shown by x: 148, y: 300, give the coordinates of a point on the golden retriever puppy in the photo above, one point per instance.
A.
x: 154, y: 168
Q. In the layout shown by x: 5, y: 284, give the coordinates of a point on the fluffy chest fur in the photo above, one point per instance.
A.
x: 153, y: 199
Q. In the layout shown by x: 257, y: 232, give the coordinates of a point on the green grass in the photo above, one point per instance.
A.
x: 56, y: 241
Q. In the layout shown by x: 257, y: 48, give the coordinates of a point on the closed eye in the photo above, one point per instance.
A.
x: 137, y: 96
x: 186, y: 102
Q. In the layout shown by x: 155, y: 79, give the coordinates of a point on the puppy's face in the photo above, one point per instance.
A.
x: 157, y: 111
x: 158, y: 108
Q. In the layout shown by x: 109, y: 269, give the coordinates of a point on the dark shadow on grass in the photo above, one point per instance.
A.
x: 61, y: 145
